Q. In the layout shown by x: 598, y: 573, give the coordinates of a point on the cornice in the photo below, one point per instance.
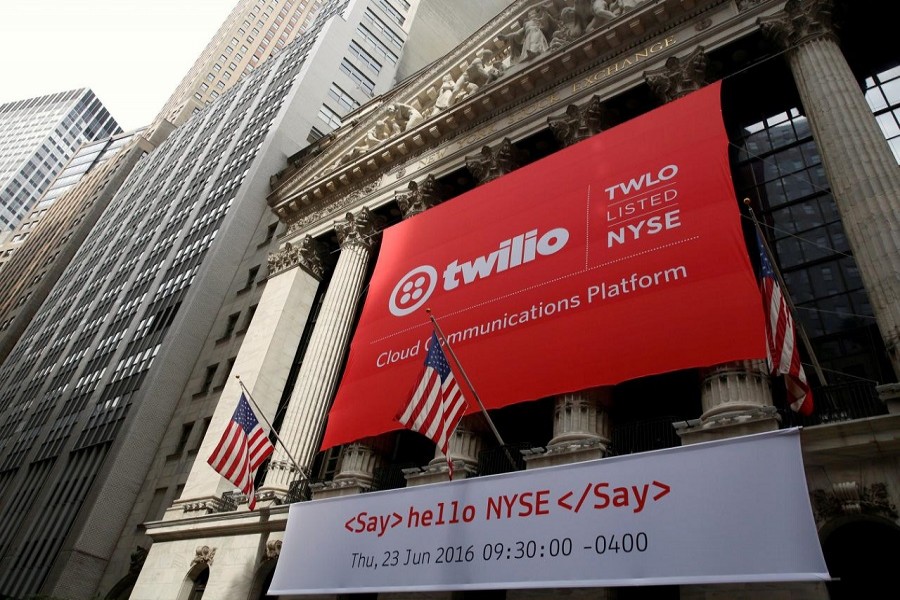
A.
x: 329, y: 174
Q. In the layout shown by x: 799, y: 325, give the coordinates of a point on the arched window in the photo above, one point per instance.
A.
x: 199, y: 584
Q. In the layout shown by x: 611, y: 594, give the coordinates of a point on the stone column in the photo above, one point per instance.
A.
x: 420, y: 197
x: 360, y: 459
x: 862, y: 171
x: 581, y: 429
x: 356, y: 472
x: 263, y: 362
x: 495, y: 162
x: 318, y: 375
x: 579, y: 122
x: 465, y: 445
x: 679, y: 76
x: 736, y: 400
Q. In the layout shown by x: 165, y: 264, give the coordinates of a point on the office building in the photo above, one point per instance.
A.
x: 252, y: 32
x: 107, y: 391
x: 39, y: 136
x: 41, y: 247
x: 90, y: 155
x: 808, y: 103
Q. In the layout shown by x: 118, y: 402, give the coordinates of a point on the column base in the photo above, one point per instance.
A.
x: 565, y: 453
x: 889, y: 393
x: 758, y: 420
x: 205, y: 505
x: 436, y: 472
x: 344, y: 487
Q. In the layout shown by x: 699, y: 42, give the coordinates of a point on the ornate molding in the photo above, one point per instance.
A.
x: 679, y: 76
x: 800, y: 22
x: 332, y: 208
x: 204, y: 555
x: 357, y: 229
x: 579, y: 122
x: 492, y: 163
x: 484, y: 58
x: 273, y: 550
x: 849, y: 498
x: 419, y: 197
x: 747, y: 4
x: 307, y: 253
x: 137, y: 560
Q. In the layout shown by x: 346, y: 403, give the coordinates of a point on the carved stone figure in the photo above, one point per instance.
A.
x: 528, y: 40
x: 569, y: 29
x: 404, y: 116
x: 374, y: 137
x: 623, y: 6
x: 273, y: 550
x: 482, y: 71
x: 446, y: 93
x: 462, y: 88
x: 204, y: 554
x: 603, y: 12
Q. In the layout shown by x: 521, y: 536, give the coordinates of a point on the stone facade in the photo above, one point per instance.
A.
x: 536, y: 78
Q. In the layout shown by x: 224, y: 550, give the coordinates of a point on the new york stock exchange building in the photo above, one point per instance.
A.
x: 573, y: 195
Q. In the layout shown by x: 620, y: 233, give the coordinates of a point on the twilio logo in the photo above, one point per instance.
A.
x: 414, y: 288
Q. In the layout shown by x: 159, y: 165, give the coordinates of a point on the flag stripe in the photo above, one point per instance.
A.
x: 436, y: 404
x: 244, y: 446
x: 781, y: 349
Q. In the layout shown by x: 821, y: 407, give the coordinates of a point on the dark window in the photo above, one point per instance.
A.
x: 231, y: 324
x: 185, y: 434
x: 208, y: 379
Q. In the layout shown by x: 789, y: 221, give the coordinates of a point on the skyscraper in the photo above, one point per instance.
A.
x: 253, y: 31
x: 37, y: 138
x: 128, y: 352
x: 42, y: 245
x: 89, y: 155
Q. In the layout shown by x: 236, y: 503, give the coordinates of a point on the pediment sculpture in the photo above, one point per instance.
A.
x: 539, y: 28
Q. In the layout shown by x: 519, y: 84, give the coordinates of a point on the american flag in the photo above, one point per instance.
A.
x: 437, y: 403
x: 243, y: 448
x: 782, y: 352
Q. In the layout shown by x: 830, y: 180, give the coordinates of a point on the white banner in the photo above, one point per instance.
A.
x: 735, y: 510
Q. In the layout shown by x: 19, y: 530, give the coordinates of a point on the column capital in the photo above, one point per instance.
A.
x: 679, y: 76
x: 799, y: 22
x: 579, y: 122
x: 420, y: 197
x: 494, y: 162
x: 308, y: 254
x: 357, y: 229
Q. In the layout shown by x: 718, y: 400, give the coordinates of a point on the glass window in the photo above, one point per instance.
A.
x: 392, y: 13
x: 342, y: 97
x: 329, y: 116
x: 364, y: 83
x: 383, y: 27
x: 377, y: 44
x: 367, y: 59
x: 883, y: 96
x: 780, y: 168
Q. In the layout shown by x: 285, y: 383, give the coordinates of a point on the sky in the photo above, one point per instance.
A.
x: 49, y: 46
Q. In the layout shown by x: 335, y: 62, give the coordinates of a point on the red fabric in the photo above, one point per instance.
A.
x: 616, y: 258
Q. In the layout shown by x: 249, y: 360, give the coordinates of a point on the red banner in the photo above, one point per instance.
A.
x: 616, y: 258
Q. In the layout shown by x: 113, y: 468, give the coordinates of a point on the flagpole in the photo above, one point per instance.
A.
x: 462, y: 372
x: 271, y: 429
x: 787, y: 297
